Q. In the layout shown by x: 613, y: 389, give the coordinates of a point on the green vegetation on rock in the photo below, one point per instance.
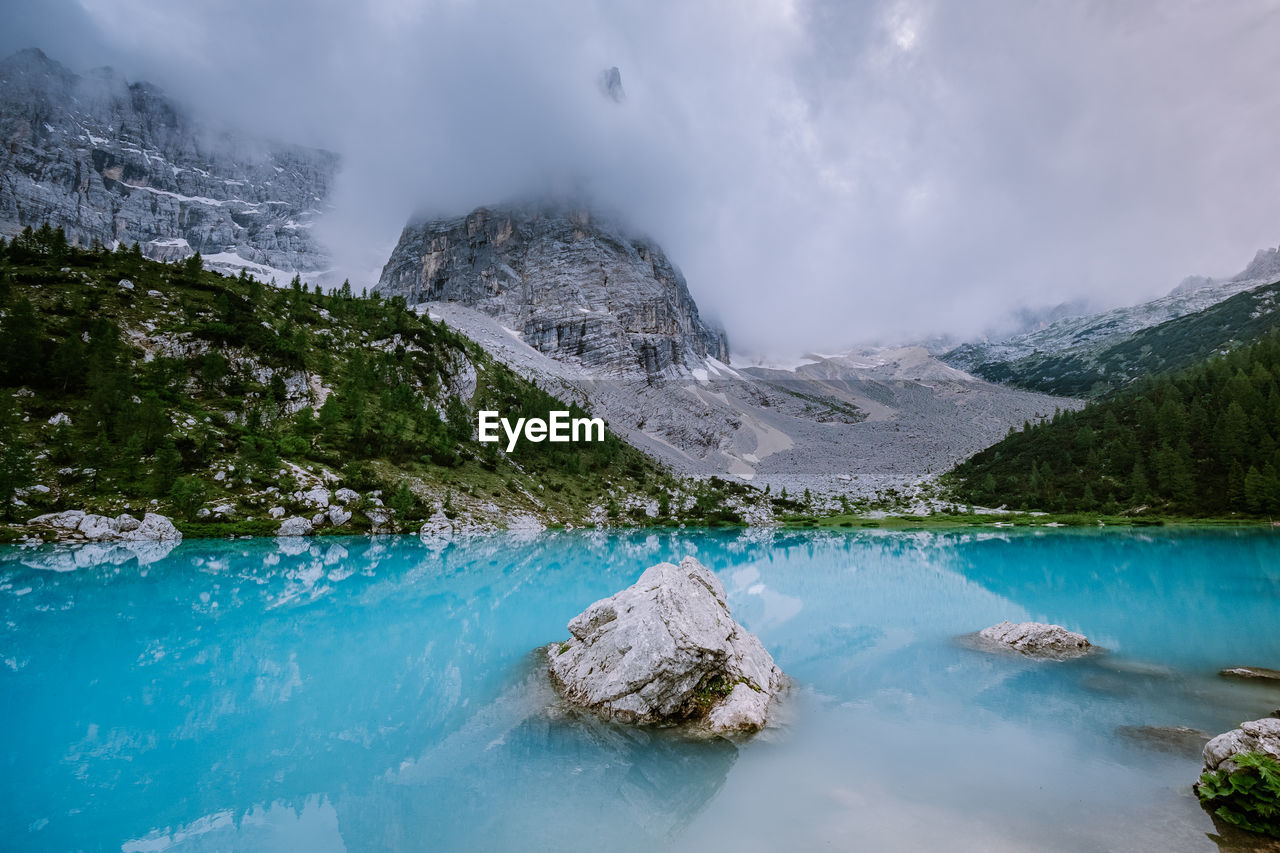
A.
x: 1247, y: 796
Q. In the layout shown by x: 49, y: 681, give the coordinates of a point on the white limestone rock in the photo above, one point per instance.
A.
x: 295, y: 526
x: 379, y: 519
x: 154, y: 528
x: 76, y: 525
x: 439, y: 530
x: 1253, y: 736
x: 1035, y: 639
x: 318, y: 496
x: 347, y: 496
x: 666, y: 650
x: 276, y: 512
x: 338, y: 516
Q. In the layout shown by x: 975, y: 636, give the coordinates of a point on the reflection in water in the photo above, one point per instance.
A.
x: 372, y: 694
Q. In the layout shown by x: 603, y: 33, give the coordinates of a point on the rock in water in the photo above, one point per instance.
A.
x: 1166, y: 738
x: 666, y: 650
x: 1036, y: 639
x: 573, y: 284
x: 1254, y: 736
x: 1251, y: 673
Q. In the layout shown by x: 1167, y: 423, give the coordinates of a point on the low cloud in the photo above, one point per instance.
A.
x: 824, y: 173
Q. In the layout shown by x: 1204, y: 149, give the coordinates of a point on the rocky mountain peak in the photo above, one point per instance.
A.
x: 571, y: 282
x: 1265, y: 266
x: 120, y: 162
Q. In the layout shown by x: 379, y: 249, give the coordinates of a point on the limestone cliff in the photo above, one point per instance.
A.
x: 119, y: 162
x: 570, y: 282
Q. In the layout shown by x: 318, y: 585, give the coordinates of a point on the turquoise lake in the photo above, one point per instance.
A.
x: 374, y: 694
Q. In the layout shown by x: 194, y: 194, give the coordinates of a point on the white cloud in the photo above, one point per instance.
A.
x: 823, y: 171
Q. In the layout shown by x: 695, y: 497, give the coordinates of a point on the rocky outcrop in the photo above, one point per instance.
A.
x: 118, y: 162
x: 1035, y: 639
x: 570, y: 282
x: 76, y: 525
x: 666, y: 650
x: 1254, y: 736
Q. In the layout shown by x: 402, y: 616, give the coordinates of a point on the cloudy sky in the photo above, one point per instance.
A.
x: 824, y: 172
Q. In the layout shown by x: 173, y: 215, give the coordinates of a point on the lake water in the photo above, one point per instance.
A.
x: 356, y: 694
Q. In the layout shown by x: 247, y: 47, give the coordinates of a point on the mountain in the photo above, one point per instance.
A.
x: 1093, y: 353
x: 573, y: 284
x: 118, y: 162
x: 564, y: 296
x: 128, y: 384
x: 1204, y: 441
x: 858, y: 425
x: 1172, y: 345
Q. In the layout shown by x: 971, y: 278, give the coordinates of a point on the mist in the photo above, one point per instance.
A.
x: 825, y: 174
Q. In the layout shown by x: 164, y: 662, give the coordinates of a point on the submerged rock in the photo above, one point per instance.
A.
x: 1035, y: 639
x: 1182, y: 739
x: 1252, y: 673
x: 1252, y: 736
x: 666, y: 650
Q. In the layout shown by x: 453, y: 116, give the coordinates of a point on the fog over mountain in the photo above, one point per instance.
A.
x: 823, y: 173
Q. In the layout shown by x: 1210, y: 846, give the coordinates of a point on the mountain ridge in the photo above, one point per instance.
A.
x: 118, y: 162
x: 1070, y: 356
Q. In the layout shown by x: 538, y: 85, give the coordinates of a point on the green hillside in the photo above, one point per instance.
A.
x: 1205, y: 441
x: 1173, y: 345
x: 128, y: 384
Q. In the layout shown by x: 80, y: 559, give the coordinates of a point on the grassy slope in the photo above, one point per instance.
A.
x: 193, y: 391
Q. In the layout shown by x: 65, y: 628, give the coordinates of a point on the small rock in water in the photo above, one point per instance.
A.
x: 666, y: 650
x: 1251, y: 673
x: 1036, y: 639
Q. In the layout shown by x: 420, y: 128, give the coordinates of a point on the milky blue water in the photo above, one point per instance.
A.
x: 356, y: 694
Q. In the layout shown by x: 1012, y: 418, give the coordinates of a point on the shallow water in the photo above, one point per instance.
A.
x: 377, y: 695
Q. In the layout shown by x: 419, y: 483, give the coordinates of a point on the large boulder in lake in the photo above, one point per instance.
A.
x: 1035, y: 639
x: 666, y: 650
x: 1254, y: 736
